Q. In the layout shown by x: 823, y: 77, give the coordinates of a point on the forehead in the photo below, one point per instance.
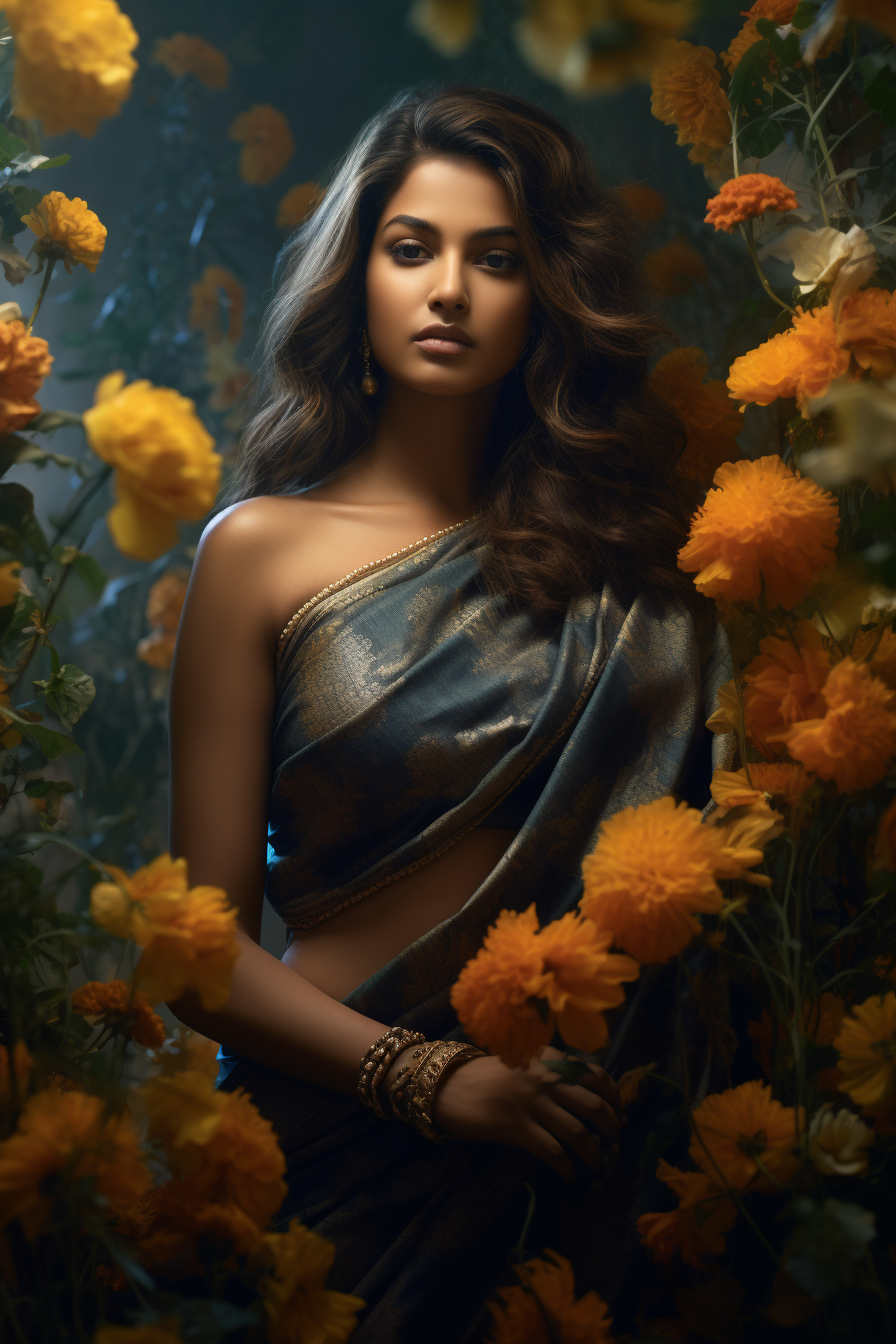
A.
x: 456, y: 195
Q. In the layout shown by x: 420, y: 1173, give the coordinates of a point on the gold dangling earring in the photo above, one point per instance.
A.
x: 369, y: 385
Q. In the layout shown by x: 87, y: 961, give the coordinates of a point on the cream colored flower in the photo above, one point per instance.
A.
x: 838, y: 1142
x: 447, y: 25
x: 826, y: 257
x: 864, y: 448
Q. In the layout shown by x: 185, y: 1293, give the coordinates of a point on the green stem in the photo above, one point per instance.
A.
x: 39, y: 838
x: 747, y: 235
x: 814, y: 118
x: 520, y: 1247
x: 43, y: 289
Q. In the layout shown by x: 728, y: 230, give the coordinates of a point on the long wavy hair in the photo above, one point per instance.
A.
x: 575, y: 486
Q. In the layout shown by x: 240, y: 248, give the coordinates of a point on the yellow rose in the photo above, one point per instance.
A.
x: 24, y: 364
x: 73, y: 61
x: 165, y: 460
x: 67, y: 231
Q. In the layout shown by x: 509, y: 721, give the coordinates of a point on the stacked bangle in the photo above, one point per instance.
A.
x: 375, y: 1064
x: 411, y: 1094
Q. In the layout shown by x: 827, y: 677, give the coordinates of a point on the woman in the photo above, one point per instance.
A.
x: 437, y: 639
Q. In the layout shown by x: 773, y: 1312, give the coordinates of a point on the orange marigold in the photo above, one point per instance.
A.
x: 565, y: 969
x: 299, y: 1308
x: 695, y: 1229
x: 672, y: 269
x: 652, y: 870
x: 762, y: 523
x: 866, y: 325
x: 96, y: 999
x: 745, y: 197
x: 867, y: 1046
x: 800, y: 362
x: 855, y: 741
x: 783, y: 781
x: 878, y: 13
x: 784, y: 684
x: 711, y: 421
x: 24, y: 364
x: 297, y: 204
x: 883, y: 661
x: 217, y: 290
x: 267, y: 143
x: 172, y: 1219
x: 164, y: 606
x: 66, y: 231
x: 733, y: 1129
x: 22, y: 1064
x: 644, y: 203
x: 743, y: 834
x: 779, y: 11
x: 548, y: 1286
x: 242, y: 1163
x: 686, y: 93
x: 68, y: 1132
x: 188, y: 54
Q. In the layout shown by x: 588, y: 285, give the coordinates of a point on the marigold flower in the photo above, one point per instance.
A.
x: 10, y: 582
x: 300, y: 1310
x: 267, y: 143
x: 855, y: 740
x: 779, y: 11
x: 725, y: 718
x: 878, y: 13
x: 784, y: 684
x: 137, y: 1334
x: 762, y: 523
x: 297, y: 204
x: 242, y: 1162
x: 164, y: 606
x: 182, y: 1108
x: 838, y: 1142
x: 73, y: 61
x: 743, y: 834
x: 673, y: 268
x: 652, y: 870
x: 711, y: 421
x: 165, y: 460
x: 883, y: 661
x: 866, y: 325
x: 564, y: 968
x: 746, y: 197
x: 800, y: 362
x: 187, y: 54
x: 67, y: 230
x: 733, y: 1129
x: 24, y: 364
x: 645, y: 204
x: 96, y: 999
x: 782, y: 780
x: 447, y: 25
x: 867, y: 1047
x: 22, y: 1064
x: 65, y: 1133
x: 518, y: 1318
x: 171, y: 1221
x: 686, y: 93
x: 206, y: 305
x: 731, y: 788
x: 187, y: 934
x: 695, y: 1229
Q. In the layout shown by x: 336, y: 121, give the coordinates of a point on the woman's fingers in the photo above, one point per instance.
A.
x: 598, y: 1080
x: 545, y: 1145
x: 569, y: 1129
x: 588, y: 1106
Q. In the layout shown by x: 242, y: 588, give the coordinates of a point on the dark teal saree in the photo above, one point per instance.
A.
x: 412, y: 705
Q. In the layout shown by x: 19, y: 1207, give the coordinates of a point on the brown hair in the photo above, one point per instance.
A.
x: 576, y: 484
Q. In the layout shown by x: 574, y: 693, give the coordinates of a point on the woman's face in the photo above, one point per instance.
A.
x: 448, y: 298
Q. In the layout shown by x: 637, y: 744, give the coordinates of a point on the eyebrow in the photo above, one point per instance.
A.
x: 414, y: 222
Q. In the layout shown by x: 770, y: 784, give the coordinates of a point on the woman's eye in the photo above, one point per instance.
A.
x: 501, y: 261
x: 407, y: 251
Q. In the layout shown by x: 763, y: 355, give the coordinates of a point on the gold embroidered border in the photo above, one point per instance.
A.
x: 354, y: 574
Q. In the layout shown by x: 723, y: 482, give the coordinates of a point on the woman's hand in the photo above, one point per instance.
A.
x: 531, y: 1108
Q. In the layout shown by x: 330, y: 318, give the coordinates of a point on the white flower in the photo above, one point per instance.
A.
x: 826, y: 256
x: 837, y: 1142
x: 10, y: 312
x: 866, y: 435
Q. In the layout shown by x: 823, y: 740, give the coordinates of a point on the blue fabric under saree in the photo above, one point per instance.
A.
x: 411, y: 706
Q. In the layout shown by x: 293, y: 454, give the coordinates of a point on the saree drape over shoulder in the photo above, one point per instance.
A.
x: 411, y: 706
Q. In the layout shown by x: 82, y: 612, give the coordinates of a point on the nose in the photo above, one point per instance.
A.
x: 449, y: 292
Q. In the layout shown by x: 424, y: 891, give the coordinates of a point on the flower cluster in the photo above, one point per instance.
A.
x: 187, y: 54
x: 24, y: 364
x: 164, y: 606
x: 703, y: 405
x: 115, y: 1003
x: 66, y: 231
x: 267, y: 143
x: 687, y: 93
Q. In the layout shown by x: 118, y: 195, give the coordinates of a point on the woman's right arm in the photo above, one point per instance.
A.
x: 220, y: 721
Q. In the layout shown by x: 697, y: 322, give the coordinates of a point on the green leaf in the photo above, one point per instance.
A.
x: 45, y: 788
x: 17, y: 514
x: 786, y: 50
x: 805, y: 14
x: 26, y: 198
x: 831, y: 1239
x: 759, y: 138
x: 59, y: 160
x: 10, y: 448
x: 53, y: 744
x: 881, y: 96
x: 11, y: 145
x: 91, y: 575
x: 746, y: 82
x: 570, y: 1070
x: 49, y: 421
x: 68, y: 693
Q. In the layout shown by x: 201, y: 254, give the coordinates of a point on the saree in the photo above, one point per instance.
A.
x: 411, y: 703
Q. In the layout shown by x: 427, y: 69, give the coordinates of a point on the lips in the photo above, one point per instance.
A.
x: 443, y: 338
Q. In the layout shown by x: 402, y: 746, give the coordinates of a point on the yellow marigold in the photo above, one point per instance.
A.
x: 66, y: 1132
x: 183, y: 1110
x: 206, y: 303
x: 883, y: 661
x: 565, y: 969
x: 299, y: 1308
x: 763, y: 522
x: 711, y: 421
x: 644, y: 203
x: 747, y: 196
x: 884, y: 855
x: 164, y: 606
x: 784, y: 683
x: 188, y: 935
x: 800, y: 362
x: 165, y: 460
x: 22, y: 1064
x: 267, y: 143
x: 137, y: 1334
x: 171, y: 1221
x: 855, y: 741
x: 779, y: 780
x: 67, y: 231
x: 733, y: 1129
x: 743, y: 834
x: 447, y: 25
x: 672, y: 269
x: 652, y: 870
x: 157, y: 649
x: 242, y: 1162
x: 187, y: 54
x: 519, y: 1318
x: 9, y: 736
x: 73, y: 61
x: 686, y: 93
x: 24, y: 364
x: 96, y: 999
x: 779, y: 11
x: 695, y: 1229
x: 10, y: 582
x: 297, y: 204
x: 867, y: 1047
x: 725, y: 718
x: 866, y: 325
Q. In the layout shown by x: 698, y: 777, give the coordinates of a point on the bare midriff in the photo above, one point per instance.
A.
x: 341, y: 952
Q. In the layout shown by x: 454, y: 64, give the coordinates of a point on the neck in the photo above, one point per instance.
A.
x: 426, y: 449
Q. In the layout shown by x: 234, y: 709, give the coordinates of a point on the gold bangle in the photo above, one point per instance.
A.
x: 412, y: 1100
x: 376, y: 1061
